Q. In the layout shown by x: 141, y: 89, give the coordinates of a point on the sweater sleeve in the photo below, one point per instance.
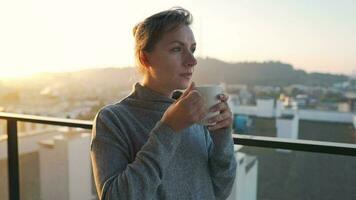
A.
x: 222, y: 162
x: 118, y: 178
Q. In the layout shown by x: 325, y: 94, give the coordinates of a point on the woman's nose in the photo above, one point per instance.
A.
x: 191, y: 61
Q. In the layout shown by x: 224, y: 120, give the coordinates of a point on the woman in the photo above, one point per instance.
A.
x: 148, y: 146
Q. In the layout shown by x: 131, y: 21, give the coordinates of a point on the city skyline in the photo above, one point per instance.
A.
x: 44, y: 36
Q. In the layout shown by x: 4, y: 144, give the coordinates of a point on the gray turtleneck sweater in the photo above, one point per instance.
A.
x: 136, y: 156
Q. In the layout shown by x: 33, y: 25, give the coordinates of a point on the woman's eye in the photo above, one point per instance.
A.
x: 192, y: 50
x: 176, y: 49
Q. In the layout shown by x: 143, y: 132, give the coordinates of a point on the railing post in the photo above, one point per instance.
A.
x: 13, y: 160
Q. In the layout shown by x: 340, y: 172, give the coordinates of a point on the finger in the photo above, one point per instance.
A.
x: 222, y: 124
x: 194, y: 97
x: 202, y: 114
x: 222, y: 106
x: 219, y: 117
x: 193, y: 100
x: 223, y: 97
x: 190, y: 88
x: 197, y: 113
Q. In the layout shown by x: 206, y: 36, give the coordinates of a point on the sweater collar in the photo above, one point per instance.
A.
x: 144, y: 93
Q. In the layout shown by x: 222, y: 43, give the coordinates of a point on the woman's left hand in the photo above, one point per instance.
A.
x: 224, y: 118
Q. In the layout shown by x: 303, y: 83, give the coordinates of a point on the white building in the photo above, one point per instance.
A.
x: 245, y: 185
x: 65, y: 167
x: 265, y: 108
x: 344, y: 107
x: 287, y: 126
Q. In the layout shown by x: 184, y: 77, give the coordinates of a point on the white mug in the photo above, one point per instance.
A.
x: 210, y: 94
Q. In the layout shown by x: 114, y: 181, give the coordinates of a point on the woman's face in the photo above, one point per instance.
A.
x: 171, y: 62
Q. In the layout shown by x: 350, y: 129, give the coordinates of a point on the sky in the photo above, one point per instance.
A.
x: 66, y: 35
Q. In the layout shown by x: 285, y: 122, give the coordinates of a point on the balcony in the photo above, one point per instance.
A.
x: 268, y: 168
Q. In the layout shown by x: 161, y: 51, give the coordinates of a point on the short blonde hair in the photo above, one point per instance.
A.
x: 148, y: 32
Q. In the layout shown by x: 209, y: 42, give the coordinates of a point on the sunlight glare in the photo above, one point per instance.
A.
x: 6, y: 73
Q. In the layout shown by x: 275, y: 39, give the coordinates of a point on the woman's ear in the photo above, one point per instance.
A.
x: 144, y: 60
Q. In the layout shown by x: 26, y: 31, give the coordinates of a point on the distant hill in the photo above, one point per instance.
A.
x: 208, y: 71
x: 265, y: 73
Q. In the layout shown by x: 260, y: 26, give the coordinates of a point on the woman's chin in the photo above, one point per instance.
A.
x: 184, y: 85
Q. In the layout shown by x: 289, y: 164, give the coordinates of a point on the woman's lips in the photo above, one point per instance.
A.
x: 187, y: 75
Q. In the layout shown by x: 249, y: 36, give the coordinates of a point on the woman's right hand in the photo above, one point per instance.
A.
x: 186, y: 111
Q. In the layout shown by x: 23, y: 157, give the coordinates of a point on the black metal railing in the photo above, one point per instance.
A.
x: 256, y: 141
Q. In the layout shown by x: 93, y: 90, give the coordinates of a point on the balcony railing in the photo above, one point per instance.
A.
x: 256, y: 141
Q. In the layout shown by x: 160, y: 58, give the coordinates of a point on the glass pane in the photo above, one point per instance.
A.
x: 54, y: 162
x: 295, y: 129
x: 3, y: 162
x: 265, y: 173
